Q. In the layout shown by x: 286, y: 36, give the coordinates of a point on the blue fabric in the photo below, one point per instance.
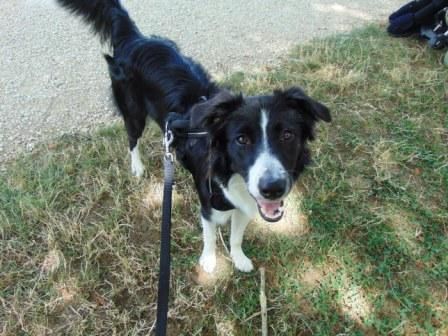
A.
x: 403, y: 25
x: 410, y: 7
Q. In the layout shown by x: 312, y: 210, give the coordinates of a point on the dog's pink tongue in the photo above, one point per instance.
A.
x: 272, y: 211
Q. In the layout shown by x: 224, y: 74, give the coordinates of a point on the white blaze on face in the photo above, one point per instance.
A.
x: 266, y: 164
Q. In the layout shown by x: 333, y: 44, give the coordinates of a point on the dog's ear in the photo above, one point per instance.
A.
x: 212, y: 114
x: 296, y: 98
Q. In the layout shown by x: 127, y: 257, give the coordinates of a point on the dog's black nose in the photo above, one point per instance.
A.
x: 272, y: 188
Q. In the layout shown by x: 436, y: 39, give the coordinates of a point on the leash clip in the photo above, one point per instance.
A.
x: 437, y: 27
x: 167, y: 142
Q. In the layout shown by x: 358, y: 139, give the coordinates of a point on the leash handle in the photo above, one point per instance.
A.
x: 165, y: 243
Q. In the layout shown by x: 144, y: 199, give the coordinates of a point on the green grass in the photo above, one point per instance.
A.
x: 366, y: 252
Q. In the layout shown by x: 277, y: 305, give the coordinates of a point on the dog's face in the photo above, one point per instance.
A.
x: 263, y: 139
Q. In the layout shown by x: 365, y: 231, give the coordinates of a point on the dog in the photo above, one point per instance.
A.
x: 256, y: 147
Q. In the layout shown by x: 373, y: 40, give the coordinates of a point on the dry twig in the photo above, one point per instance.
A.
x: 263, y: 303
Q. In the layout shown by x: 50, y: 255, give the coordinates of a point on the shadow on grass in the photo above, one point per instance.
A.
x: 363, y: 251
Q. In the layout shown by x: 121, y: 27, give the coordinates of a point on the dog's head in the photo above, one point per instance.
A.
x: 262, y: 138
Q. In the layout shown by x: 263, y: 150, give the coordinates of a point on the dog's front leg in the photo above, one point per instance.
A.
x: 238, y: 226
x: 208, y: 257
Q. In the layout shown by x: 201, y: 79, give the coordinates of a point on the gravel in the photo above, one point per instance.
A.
x: 54, y: 79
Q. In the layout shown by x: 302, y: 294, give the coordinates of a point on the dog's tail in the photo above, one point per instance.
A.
x: 107, y: 18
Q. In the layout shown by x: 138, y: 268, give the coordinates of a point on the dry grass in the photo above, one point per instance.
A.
x: 363, y: 250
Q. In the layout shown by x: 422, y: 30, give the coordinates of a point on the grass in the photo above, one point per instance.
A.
x: 364, y: 250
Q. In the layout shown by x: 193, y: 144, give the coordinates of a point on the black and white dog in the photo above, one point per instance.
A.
x: 257, y: 146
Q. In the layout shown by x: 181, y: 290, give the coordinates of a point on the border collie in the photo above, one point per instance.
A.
x: 257, y: 145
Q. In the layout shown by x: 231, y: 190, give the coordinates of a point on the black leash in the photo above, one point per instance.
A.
x: 165, y: 237
x: 179, y: 128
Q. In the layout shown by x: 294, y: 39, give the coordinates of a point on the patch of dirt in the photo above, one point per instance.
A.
x: 152, y: 195
x: 313, y: 276
x: 143, y: 230
x: 354, y: 303
x: 306, y: 307
x: 52, y: 261
x: 384, y: 162
x: 225, y: 328
x: 94, y: 212
x: 223, y: 271
x: 406, y: 229
x: 339, y: 76
x: 122, y: 298
x: 68, y: 294
x: 440, y: 293
x: 359, y: 184
x: 401, y: 73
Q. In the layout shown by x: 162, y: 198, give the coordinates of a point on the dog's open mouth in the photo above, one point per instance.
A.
x: 271, y: 211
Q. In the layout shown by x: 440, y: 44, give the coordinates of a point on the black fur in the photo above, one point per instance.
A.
x: 150, y: 77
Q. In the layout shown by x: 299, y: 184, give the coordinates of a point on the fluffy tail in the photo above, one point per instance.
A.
x: 107, y: 18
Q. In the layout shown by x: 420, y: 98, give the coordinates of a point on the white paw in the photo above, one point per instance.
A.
x: 242, y: 262
x: 208, y: 262
x: 137, y: 168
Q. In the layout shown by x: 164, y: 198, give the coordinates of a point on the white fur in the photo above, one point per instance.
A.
x: 236, y: 192
x: 237, y: 228
x: 208, y: 257
x: 265, y: 162
x: 137, y: 167
x: 242, y: 196
x: 264, y: 121
x: 221, y: 217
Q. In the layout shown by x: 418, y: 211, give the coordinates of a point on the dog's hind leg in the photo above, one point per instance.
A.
x: 137, y: 167
x: 134, y: 128
x: 134, y: 115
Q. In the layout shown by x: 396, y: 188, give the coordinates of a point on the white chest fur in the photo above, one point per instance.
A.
x: 236, y: 192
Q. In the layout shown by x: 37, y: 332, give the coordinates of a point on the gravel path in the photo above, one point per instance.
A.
x: 54, y: 80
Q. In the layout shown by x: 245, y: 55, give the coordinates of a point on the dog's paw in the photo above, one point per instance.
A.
x: 208, y: 262
x: 242, y: 263
x: 137, y: 168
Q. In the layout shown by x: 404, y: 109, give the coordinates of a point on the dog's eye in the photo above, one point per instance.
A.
x: 286, y: 136
x: 243, y: 140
